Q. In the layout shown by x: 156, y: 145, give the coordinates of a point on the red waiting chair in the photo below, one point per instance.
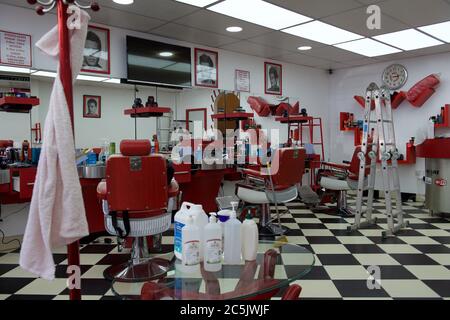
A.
x: 276, y: 184
x: 135, y: 199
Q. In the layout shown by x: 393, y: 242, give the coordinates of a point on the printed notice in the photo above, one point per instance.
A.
x: 15, y: 49
x: 242, y: 81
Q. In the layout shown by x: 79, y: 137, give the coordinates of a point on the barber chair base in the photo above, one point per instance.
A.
x: 343, y: 212
x: 127, y: 272
x: 272, y: 230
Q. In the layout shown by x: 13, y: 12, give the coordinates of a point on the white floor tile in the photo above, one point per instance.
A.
x: 371, y: 233
x: 44, y: 287
x: 318, y: 289
x: 317, y: 233
x: 10, y: 258
x: 297, y: 240
x: 418, y: 240
x: 441, y: 258
x: 398, y: 248
x: 373, y: 259
x: 88, y: 259
x: 95, y: 272
x: 4, y: 296
x: 336, y: 226
x: 18, y: 273
x: 355, y: 240
x: 430, y: 272
x: 307, y: 220
x: 408, y: 289
x: 347, y: 272
x: 329, y: 249
x: 434, y: 233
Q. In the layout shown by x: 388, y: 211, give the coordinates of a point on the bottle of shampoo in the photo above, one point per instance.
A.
x: 212, y: 261
x: 191, y: 245
x: 250, y: 237
x: 232, y: 240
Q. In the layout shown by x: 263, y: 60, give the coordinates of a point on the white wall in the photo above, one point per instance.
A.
x: 409, y: 121
x: 311, y: 85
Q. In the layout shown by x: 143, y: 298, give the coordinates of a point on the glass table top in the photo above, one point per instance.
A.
x: 277, y: 265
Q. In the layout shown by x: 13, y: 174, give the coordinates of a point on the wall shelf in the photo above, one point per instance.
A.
x: 232, y: 116
x: 18, y: 105
x: 147, y: 112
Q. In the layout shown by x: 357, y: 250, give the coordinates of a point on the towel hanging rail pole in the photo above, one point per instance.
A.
x: 73, y: 249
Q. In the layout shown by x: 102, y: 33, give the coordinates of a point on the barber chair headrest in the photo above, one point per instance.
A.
x: 135, y: 148
x: 6, y: 143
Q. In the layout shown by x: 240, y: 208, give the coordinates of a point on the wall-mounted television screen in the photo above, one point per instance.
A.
x: 155, y: 62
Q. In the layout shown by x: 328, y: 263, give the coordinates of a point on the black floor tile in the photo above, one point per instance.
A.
x: 395, y: 272
x: 113, y: 259
x: 294, y: 233
x: 441, y: 287
x: 96, y: 287
x: 413, y: 259
x: 4, y: 268
x: 12, y: 285
x: 390, y: 240
x: 422, y: 226
x: 61, y: 271
x: 30, y: 297
x: 98, y: 248
x: 409, y: 233
x: 311, y: 226
x: 358, y: 288
x: 363, y: 248
x: 432, y: 248
x: 316, y: 273
x: 323, y: 240
x: 304, y: 215
x: 338, y: 259
x: 442, y: 240
x: 345, y: 233
x: 332, y: 220
x: 58, y: 258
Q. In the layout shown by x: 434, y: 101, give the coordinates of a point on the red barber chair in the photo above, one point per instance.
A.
x: 292, y: 292
x: 340, y: 178
x: 275, y: 184
x: 135, y: 199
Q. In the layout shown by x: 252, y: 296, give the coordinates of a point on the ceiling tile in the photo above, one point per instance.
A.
x: 183, y: 33
x: 159, y: 9
x: 356, y: 21
x: 254, y: 49
x: 333, y: 54
x: 124, y: 20
x: 214, y: 22
x: 301, y: 59
x: 416, y: 53
x: 361, y: 62
x: 417, y: 12
x: 317, y: 8
x: 284, y: 41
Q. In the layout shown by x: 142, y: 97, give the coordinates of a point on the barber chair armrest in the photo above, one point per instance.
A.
x: 344, y: 167
x: 102, y: 191
x: 254, y: 173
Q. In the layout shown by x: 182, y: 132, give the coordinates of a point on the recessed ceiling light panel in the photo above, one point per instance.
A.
x: 322, y: 32
x: 234, y: 29
x: 259, y: 12
x: 368, y: 47
x: 438, y: 30
x: 410, y: 39
x: 197, y: 3
x: 166, y: 54
x: 304, y: 48
x: 123, y: 1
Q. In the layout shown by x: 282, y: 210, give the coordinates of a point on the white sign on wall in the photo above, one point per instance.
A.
x: 242, y: 81
x: 15, y: 49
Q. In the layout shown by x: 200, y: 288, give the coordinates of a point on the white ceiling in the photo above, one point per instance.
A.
x: 179, y: 21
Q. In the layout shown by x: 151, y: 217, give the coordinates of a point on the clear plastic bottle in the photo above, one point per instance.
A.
x: 250, y: 239
x: 212, y: 261
x: 191, y: 245
x: 232, y: 240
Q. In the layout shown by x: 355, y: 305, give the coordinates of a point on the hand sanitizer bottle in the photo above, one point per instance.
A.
x: 232, y: 240
x: 250, y: 239
x: 191, y: 246
x: 212, y: 261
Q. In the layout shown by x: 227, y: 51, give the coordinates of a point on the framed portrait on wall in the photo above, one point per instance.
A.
x: 96, y: 54
x: 273, y: 78
x: 92, y: 106
x: 206, y: 68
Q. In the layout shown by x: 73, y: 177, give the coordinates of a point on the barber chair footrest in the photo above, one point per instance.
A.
x: 273, y: 230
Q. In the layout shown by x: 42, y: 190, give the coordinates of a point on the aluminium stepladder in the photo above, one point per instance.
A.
x: 379, y: 138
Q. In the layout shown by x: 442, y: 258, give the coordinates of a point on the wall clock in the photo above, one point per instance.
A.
x: 395, y: 76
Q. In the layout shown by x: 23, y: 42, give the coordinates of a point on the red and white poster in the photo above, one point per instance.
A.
x: 15, y: 49
x: 242, y: 81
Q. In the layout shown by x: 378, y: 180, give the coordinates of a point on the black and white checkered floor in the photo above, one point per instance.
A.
x: 414, y: 265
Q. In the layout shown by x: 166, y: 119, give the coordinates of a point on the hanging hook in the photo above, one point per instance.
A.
x: 48, y: 5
